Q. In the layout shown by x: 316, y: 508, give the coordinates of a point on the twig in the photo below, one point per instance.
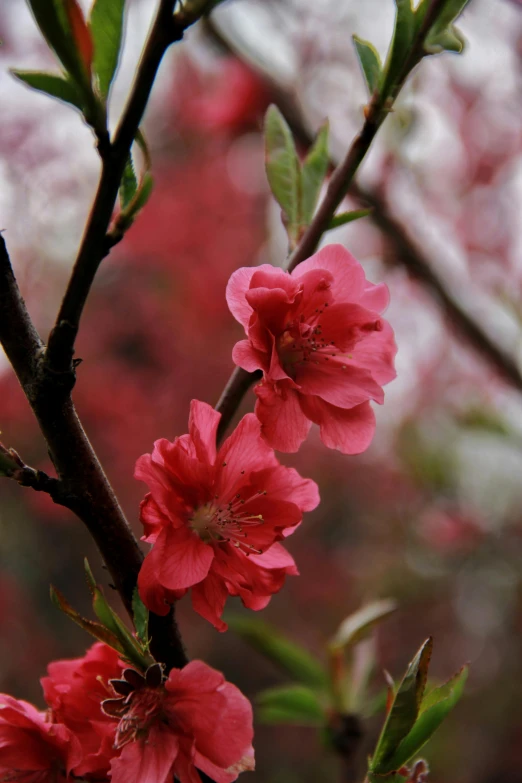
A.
x: 238, y: 384
x: 12, y: 466
x: 94, y: 247
x: 406, y: 253
x: 375, y: 113
x: 82, y: 485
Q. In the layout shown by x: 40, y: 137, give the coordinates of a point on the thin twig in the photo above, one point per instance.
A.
x: 375, y: 113
x: 410, y: 256
x: 82, y: 485
x: 405, y: 251
x: 166, y: 30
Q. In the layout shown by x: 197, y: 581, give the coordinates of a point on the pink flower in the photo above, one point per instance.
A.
x: 324, y: 350
x: 216, y: 517
x: 194, y: 720
x: 33, y: 750
x: 74, y: 690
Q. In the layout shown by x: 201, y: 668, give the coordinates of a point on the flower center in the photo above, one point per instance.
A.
x: 144, y: 708
x: 227, y: 523
x: 302, y: 341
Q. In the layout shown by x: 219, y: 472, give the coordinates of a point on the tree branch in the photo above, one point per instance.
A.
x: 405, y: 251
x: 166, y: 30
x: 419, y: 267
x: 82, y: 485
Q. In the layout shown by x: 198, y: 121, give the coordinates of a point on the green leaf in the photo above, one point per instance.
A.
x: 283, y: 170
x: 127, y: 217
x: 140, y: 615
x: 143, y: 194
x: 370, y: 62
x: 348, y: 217
x: 288, y: 656
x: 313, y: 172
x: 404, y: 710
x: 403, y: 35
x: 294, y: 704
x: 106, y: 25
x: 434, y: 709
x: 99, y: 632
x: 53, y: 85
x: 51, y: 18
x: 129, y: 184
x: 360, y: 624
x: 132, y: 650
x: 449, y: 40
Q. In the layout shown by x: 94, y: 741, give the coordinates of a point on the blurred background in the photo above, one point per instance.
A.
x: 431, y: 514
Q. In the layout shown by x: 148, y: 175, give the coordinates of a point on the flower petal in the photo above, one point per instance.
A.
x: 213, y: 711
x: 276, y: 557
x: 283, y: 424
x: 350, y: 431
x: 208, y: 600
x: 348, y: 282
x: 147, y: 761
x: 248, y: 358
x: 286, y: 484
x: 178, y: 559
x: 376, y: 354
x: 237, y: 287
x: 375, y: 297
x: 242, y: 452
x: 203, y: 424
x: 343, y: 388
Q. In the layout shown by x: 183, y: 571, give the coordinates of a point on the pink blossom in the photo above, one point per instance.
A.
x: 33, y: 749
x: 321, y: 343
x: 74, y: 690
x: 194, y: 720
x: 215, y: 518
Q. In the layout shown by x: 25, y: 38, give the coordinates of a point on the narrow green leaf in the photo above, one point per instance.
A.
x: 370, y: 62
x: 99, y: 632
x: 141, y: 141
x: 106, y: 25
x: 282, y: 169
x: 143, y: 194
x: 485, y: 419
x: 434, y: 709
x: 288, y: 656
x: 129, y: 184
x: 127, y: 217
x: 360, y: 624
x: 348, y: 217
x: 403, y: 35
x: 313, y: 172
x: 131, y: 648
x: 51, y: 18
x: 140, y: 615
x: 294, y: 704
x: 404, y: 710
x: 442, y: 36
x: 449, y: 40
x: 52, y: 84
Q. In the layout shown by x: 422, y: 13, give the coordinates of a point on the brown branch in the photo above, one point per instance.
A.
x: 12, y: 466
x: 47, y: 375
x: 410, y: 256
x: 94, y: 247
x: 405, y: 251
x: 82, y: 485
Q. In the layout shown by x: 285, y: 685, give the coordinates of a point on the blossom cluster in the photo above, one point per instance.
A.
x: 217, y: 517
x: 108, y: 721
